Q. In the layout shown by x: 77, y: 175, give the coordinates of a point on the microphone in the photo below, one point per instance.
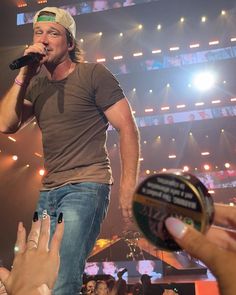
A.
x: 25, y: 60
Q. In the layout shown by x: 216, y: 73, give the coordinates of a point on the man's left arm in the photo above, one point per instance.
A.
x: 121, y: 118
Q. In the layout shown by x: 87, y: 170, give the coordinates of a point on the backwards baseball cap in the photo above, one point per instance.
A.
x: 57, y: 15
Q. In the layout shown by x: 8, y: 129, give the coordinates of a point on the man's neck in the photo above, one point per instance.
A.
x: 60, y: 71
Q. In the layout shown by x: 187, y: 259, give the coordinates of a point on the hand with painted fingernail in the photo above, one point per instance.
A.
x: 216, y: 249
x: 36, y: 263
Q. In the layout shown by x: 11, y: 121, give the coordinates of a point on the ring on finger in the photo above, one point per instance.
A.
x: 35, y: 245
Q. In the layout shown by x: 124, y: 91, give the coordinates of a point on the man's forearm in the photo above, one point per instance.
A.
x: 129, y: 152
x: 11, y: 106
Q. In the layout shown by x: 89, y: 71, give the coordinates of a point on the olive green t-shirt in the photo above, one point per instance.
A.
x: 70, y: 114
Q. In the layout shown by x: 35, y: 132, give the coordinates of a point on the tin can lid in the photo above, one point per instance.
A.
x: 176, y: 194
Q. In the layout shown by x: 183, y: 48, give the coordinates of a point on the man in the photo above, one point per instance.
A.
x: 73, y: 104
x: 90, y: 286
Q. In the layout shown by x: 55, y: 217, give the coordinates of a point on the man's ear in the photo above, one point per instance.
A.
x: 71, y: 45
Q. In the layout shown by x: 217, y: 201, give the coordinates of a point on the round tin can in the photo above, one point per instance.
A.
x: 177, y: 194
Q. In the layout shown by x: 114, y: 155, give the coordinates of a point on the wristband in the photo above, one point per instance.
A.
x: 19, y: 82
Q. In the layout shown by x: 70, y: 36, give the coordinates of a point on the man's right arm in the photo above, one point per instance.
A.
x: 14, y: 110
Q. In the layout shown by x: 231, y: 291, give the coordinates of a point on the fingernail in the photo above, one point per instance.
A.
x: 20, y: 226
x: 175, y: 227
x: 45, y: 214
x: 36, y: 216
x: 60, y: 218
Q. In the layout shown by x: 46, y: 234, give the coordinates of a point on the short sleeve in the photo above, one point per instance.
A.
x: 107, y: 88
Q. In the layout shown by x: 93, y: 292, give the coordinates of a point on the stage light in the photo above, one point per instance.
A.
x: 100, y: 34
x: 203, y: 19
x: 137, y: 54
x: 156, y: 51
x: 117, y: 57
x: 205, y: 153
x: 196, y: 45
x: 141, y: 159
x: 148, y: 110
x: 134, y: 89
x: 231, y: 204
x: 21, y: 3
x: 186, y: 168
x: 233, y: 39
x: 27, y: 166
x: 168, y: 85
x: 164, y: 169
x: 41, y: 172
x: 224, y: 82
x: 190, y: 133
x: 182, y: 19
x: 216, y: 101
x: 215, y: 42
x: 180, y: 106
x: 173, y: 139
x: 233, y: 99
x: 165, y: 108
x: 140, y: 27
x: 204, y: 81
x: 206, y: 167
x: 211, y: 192
x: 148, y: 171
x: 174, y: 48
x: 101, y: 59
x: 227, y: 165
x: 14, y: 158
x: 150, y: 90
x: 223, y: 12
x: 144, y: 142
x: 12, y: 138
x: 222, y: 130
x: 159, y: 27
x: 171, y: 156
x: 198, y: 104
x: 81, y: 40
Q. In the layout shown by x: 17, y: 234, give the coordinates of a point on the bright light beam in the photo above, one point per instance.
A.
x: 204, y: 81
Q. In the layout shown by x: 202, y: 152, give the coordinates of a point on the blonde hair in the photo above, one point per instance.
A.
x: 76, y: 54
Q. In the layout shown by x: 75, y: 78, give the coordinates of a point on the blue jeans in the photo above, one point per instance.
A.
x: 84, y: 206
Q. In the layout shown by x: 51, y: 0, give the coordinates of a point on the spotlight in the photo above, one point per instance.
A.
x: 206, y: 167
x: 186, y: 168
x: 204, y: 81
x: 159, y: 27
x: 41, y: 172
x: 14, y: 158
